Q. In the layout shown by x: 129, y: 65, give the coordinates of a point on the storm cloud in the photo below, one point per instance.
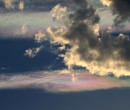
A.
x: 97, y: 50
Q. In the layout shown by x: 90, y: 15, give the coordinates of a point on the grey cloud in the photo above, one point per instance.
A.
x: 121, y: 9
x: 100, y: 52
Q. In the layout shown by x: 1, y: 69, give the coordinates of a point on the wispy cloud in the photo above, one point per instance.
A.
x: 60, y: 81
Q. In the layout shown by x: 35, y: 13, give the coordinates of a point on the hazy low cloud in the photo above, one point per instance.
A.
x: 59, y: 81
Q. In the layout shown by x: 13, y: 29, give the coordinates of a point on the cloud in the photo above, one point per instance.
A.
x: 9, y: 4
x: 21, y: 5
x: 61, y: 48
x: 39, y: 36
x: 58, y: 13
x: 106, y: 2
x: 33, y: 52
x: 120, y: 9
x: 58, y: 81
x: 99, y: 52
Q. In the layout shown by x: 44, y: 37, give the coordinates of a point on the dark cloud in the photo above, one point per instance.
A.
x: 80, y: 31
x: 96, y: 49
x: 121, y: 8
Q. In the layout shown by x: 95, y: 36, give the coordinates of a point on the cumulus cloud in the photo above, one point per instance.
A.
x: 59, y: 13
x: 32, y: 52
x: 100, y: 53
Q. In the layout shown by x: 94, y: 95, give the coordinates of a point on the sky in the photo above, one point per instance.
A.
x: 64, y: 55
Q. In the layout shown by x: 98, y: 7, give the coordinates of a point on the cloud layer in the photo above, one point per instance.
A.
x: 59, y: 81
